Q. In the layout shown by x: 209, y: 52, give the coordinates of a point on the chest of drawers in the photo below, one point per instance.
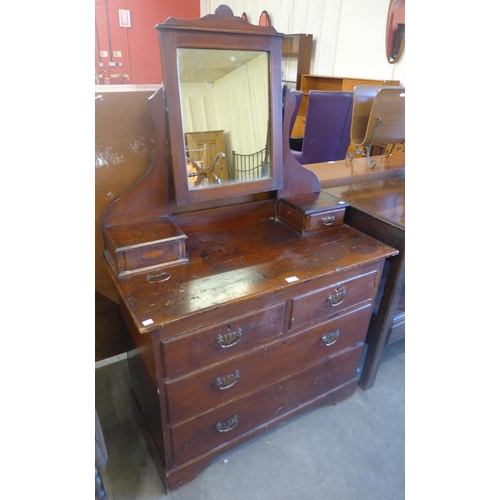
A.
x: 239, y: 340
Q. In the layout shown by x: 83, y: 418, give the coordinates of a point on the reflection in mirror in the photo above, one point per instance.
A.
x: 395, y: 31
x: 225, y: 102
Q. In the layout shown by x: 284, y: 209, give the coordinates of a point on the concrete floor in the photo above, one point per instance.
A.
x: 351, y: 451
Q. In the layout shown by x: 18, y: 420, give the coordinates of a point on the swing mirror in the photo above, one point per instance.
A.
x: 223, y: 100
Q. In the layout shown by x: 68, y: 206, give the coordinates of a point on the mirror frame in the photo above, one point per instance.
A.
x: 387, y: 48
x: 221, y: 30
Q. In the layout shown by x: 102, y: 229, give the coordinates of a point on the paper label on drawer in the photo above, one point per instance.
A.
x: 148, y: 322
x: 292, y: 279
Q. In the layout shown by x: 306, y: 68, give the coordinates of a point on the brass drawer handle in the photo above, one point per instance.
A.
x: 228, y: 425
x: 340, y: 293
x: 328, y: 221
x: 227, y: 381
x: 158, y: 278
x: 331, y: 338
x: 229, y: 339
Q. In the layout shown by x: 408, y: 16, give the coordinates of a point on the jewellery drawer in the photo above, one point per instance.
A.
x: 220, y: 383
x: 312, y: 211
x: 330, y: 300
x: 207, y: 345
x: 214, y: 428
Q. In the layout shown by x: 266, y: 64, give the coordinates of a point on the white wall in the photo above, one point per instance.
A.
x: 348, y: 35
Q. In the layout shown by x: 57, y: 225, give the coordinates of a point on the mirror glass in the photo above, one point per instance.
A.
x: 225, y: 102
x: 395, y: 31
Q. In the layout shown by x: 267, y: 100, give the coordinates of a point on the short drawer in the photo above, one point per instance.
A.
x: 217, y: 384
x: 325, y: 220
x: 329, y: 300
x: 312, y: 212
x: 208, y: 345
x: 214, y: 428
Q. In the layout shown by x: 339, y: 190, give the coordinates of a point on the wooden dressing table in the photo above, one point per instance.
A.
x: 247, y: 302
x: 376, y: 200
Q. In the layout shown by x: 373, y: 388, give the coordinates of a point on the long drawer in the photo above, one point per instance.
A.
x: 207, y: 345
x: 214, y: 428
x: 205, y: 389
x: 332, y: 299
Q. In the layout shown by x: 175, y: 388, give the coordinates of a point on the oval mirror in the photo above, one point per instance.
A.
x: 395, y: 31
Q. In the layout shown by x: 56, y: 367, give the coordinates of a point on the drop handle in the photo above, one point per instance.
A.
x: 328, y: 221
x: 229, y: 339
x: 228, y: 381
x: 228, y: 425
x: 331, y: 338
x: 337, y: 297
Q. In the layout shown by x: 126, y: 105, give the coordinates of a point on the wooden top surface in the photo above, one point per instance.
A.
x: 343, y: 172
x: 382, y: 199
x: 251, y: 261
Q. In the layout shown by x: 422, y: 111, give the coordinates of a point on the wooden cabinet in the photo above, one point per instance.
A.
x: 247, y: 302
x: 296, y: 55
x: 317, y: 82
x: 255, y: 329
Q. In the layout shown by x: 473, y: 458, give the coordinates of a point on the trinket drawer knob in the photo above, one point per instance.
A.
x: 227, y: 381
x: 229, y: 339
x: 331, y: 338
x: 338, y: 296
x: 228, y: 425
x: 328, y: 221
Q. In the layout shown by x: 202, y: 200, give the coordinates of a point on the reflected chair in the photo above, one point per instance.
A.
x: 327, y: 128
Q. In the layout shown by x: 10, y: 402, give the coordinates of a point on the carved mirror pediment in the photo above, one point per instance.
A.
x: 223, y: 100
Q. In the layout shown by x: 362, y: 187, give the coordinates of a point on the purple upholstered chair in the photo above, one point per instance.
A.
x: 327, y: 131
x: 298, y: 99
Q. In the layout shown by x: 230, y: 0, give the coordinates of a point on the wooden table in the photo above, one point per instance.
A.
x: 344, y: 172
x: 377, y: 208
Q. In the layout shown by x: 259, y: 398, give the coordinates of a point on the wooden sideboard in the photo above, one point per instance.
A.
x: 376, y: 200
x: 260, y: 325
x: 248, y: 302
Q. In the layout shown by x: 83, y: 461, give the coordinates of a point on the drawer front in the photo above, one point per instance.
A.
x: 325, y: 220
x: 218, y: 384
x: 217, y: 427
x: 153, y: 255
x: 208, y: 345
x: 330, y: 300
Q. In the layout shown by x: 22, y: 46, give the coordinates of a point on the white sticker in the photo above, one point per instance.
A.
x: 341, y: 202
x: 292, y: 279
x: 148, y: 322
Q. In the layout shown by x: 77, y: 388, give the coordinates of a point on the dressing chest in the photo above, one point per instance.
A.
x: 247, y: 299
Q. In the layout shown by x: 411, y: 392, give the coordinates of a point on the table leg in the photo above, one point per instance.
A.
x: 380, y: 327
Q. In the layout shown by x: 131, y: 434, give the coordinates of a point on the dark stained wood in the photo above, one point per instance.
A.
x: 111, y: 336
x: 383, y: 199
x: 191, y: 439
x: 378, y: 208
x: 296, y: 305
x: 204, y: 33
x: 297, y: 179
